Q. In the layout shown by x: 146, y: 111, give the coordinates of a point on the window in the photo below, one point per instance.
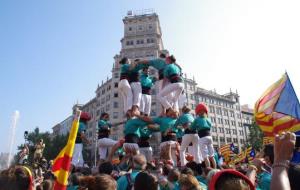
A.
x: 215, y: 139
x: 225, y: 112
x: 221, y: 130
x: 222, y: 139
x: 116, y: 95
x: 152, y: 40
x: 115, y: 115
x: 153, y: 103
x: 226, y: 121
x: 142, y: 41
x: 108, y: 88
x: 235, y: 140
x: 233, y: 123
x: 138, y: 42
x: 214, y: 129
x: 103, y: 91
x: 116, y: 85
x: 234, y: 131
x: 127, y: 43
x: 219, y: 111
x: 116, y: 104
x: 228, y: 139
x: 242, y: 141
x: 116, y: 75
x: 211, y: 109
x: 140, y: 27
x: 213, y: 119
x: 130, y: 28
x: 220, y: 120
x: 102, y: 100
x: 241, y: 132
x: 107, y: 107
x: 150, y: 26
x: 238, y: 116
x: 107, y: 98
x: 231, y: 113
x: 227, y: 131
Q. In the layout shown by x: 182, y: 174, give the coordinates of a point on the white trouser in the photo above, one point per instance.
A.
x: 146, y: 104
x: 147, y: 152
x: 206, y: 146
x: 104, y: 144
x: 126, y: 94
x: 131, y: 146
x: 164, y: 97
x: 77, y: 159
x: 186, y: 140
x: 137, y: 93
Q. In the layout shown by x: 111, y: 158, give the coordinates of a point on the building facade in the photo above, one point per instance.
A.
x: 143, y: 40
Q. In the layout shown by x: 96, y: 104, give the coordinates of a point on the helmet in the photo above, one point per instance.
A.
x: 201, y: 108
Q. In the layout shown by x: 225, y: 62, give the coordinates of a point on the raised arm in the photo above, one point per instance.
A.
x: 283, y: 152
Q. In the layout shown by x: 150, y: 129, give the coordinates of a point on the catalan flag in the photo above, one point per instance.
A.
x: 250, y: 154
x: 62, y: 163
x: 227, y: 149
x: 278, y: 109
x: 268, y: 140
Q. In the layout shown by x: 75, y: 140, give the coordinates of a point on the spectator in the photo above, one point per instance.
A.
x: 16, y: 178
x: 230, y: 179
x: 102, y: 181
x: 189, y: 182
x: 139, y: 164
x: 105, y: 168
x: 144, y: 179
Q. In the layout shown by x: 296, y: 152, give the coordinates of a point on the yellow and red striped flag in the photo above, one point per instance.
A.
x: 268, y: 140
x: 227, y: 149
x: 62, y: 163
x: 278, y: 109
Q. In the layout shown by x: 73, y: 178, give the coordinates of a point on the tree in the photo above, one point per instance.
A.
x: 256, y: 137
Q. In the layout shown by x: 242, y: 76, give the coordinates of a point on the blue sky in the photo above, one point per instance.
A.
x: 54, y: 53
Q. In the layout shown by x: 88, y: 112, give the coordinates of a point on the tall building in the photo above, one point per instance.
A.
x: 143, y: 39
x: 248, y: 118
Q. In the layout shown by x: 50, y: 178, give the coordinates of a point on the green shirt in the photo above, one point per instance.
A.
x: 201, y: 123
x: 147, y: 81
x: 123, y: 182
x: 171, y: 69
x: 157, y: 63
x: 165, y: 123
x: 102, y: 124
x: 132, y: 126
x: 264, y: 181
x: 146, y: 132
x: 125, y: 68
x: 184, y: 119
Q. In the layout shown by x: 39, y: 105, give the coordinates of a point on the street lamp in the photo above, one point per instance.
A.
x: 26, y: 136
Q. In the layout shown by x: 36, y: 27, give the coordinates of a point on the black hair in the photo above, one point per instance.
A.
x: 105, y: 168
x: 144, y: 180
x: 269, y: 151
x: 162, y: 55
x: 197, y: 169
x: 172, y: 58
x: 123, y: 60
x: 103, y: 115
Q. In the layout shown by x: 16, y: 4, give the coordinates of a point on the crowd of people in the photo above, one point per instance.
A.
x: 187, y: 159
x: 271, y: 169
